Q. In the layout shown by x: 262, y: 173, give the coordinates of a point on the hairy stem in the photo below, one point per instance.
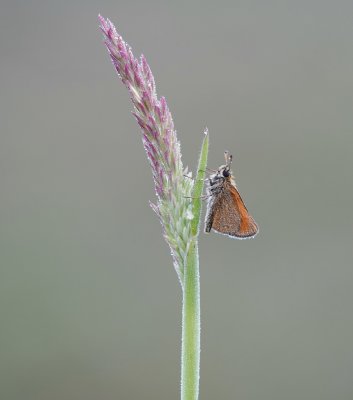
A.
x: 190, y: 354
x: 191, y: 327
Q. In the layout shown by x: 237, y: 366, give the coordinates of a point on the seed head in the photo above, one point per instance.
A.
x: 159, y: 139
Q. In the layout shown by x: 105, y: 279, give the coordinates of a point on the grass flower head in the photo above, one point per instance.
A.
x: 162, y: 147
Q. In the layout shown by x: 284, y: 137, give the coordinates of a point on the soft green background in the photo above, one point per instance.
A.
x: 89, y: 302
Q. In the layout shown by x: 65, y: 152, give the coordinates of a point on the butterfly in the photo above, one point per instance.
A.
x: 226, y: 212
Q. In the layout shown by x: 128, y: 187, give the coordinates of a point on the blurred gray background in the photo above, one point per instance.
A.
x: 90, y: 304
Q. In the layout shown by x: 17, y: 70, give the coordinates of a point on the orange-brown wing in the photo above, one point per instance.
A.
x: 231, y: 216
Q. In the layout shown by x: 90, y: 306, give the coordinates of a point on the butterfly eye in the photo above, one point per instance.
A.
x: 226, y: 173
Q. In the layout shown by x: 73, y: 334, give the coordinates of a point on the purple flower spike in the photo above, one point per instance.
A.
x: 160, y: 142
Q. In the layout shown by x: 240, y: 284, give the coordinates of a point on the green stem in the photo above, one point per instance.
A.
x: 190, y: 354
x: 191, y: 327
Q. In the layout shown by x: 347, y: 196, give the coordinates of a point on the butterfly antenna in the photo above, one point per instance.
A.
x: 228, y: 157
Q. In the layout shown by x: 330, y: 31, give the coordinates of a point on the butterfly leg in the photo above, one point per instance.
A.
x: 203, y: 197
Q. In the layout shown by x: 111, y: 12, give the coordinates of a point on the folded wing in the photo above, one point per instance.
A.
x: 230, y: 216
